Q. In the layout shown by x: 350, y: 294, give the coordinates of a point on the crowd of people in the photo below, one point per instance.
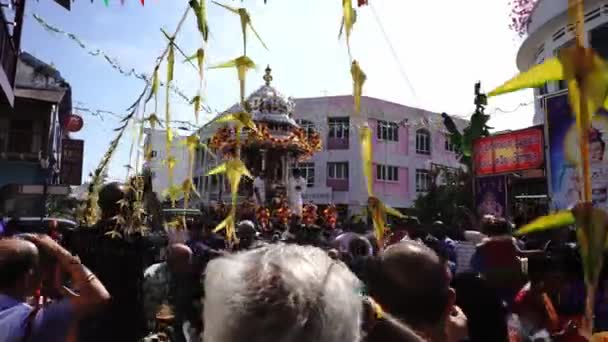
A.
x: 317, y: 282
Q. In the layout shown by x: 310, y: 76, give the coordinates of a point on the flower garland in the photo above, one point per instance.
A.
x: 224, y: 139
x: 330, y: 216
x: 309, y: 214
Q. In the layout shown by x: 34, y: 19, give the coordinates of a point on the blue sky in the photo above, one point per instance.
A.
x: 444, y: 46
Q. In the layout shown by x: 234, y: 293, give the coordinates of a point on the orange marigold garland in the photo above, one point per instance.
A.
x: 309, y: 214
x: 330, y: 216
x: 262, y: 215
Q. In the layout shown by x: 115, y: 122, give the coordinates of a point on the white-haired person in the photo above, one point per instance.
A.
x: 280, y: 292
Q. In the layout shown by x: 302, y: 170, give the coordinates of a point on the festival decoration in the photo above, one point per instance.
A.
x: 309, y: 214
x: 200, y: 10
x: 359, y: 79
x: 234, y: 170
x: 377, y: 209
x: 349, y: 16
x: 330, y: 216
x: 262, y: 216
x: 282, y: 213
x: 242, y: 65
x: 585, y: 72
x: 245, y: 21
x: 109, y: 59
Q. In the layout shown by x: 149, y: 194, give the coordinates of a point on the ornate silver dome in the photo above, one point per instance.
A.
x: 268, y: 105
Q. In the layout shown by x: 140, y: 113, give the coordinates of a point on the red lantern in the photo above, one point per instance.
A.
x: 73, y: 123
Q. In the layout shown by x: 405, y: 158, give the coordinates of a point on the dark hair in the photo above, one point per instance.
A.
x: 494, y: 226
x: 17, y: 257
x: 410, y: 281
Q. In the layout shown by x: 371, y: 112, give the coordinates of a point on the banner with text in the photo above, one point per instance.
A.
x: 509, y: 152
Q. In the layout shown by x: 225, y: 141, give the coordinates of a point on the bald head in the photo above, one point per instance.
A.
x: 411, y: 282
x: 17, y: 258
x: 179, y: 258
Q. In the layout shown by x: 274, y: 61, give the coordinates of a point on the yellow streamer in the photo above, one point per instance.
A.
x: 242, y: 65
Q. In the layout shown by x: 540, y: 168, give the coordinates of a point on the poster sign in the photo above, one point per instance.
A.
x: 491, y: 195
x: 509, y: 152
x: 564, y: 155
x: 71, y: 161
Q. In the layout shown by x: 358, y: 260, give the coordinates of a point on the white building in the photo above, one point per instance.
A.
x: 549, y: 31
x: 155, y: 142
x: 407, y: 144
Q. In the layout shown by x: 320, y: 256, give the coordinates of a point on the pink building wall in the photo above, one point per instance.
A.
x: 400, y: 147
x: 399, y: 188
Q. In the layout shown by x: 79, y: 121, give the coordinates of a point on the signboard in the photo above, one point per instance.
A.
x: 73, y: 123
x: 564, y: 155
x: 71, y: 161
x: 509, y: 152
x: 491, y: 195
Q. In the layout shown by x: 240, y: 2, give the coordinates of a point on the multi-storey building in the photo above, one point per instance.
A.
x: 549, y: 31
x: 407, y: 143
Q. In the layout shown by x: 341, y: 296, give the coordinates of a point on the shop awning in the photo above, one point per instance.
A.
x: 46, y: 95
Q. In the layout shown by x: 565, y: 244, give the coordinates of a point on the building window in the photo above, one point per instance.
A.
x: 308, y: 172
x: 153, y: 154
x: 337, y: 170
x: 387, y: 131
x: 423, y: 180
x: 423, y: 141
x: 599, y: 40
x: 338, y: 128
x: 563, y: 84
x: 449, y: 146
x: 307, y: 126
x: 385, y: 173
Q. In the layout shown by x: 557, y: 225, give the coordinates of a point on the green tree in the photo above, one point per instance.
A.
x: 452, y: 200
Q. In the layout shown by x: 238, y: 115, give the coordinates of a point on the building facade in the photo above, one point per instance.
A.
x: 407, y: 143
x: 155, y: 143
x: 31, y: 136
x: 549, y: 31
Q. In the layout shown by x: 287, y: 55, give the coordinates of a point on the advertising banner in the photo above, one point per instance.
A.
x: 71, y: 161
x: 564, y: 155
x: 491, y: 195
x: 509, y: 152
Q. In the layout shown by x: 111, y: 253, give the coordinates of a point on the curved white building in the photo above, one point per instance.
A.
x: 549, y: 31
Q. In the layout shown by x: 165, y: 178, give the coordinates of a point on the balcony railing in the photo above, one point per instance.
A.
x: 20, y: 143
x: 8, y: 53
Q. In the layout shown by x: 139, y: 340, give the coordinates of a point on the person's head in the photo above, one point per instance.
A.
x: 18, y: 267
x: 495, y: 226
x: 246, y: 232
x: 412, y: 283
x: 261, y: 174
x: 296, y: 173
x: 281, y: 292
x: 179, y: 258
x: 596, y: 145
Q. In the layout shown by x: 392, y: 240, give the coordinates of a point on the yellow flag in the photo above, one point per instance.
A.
x: 359, y: 79
x: 365, y: 137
